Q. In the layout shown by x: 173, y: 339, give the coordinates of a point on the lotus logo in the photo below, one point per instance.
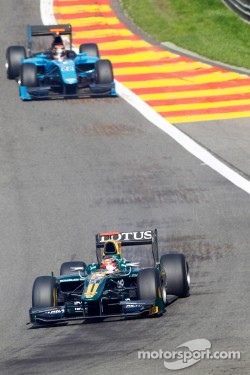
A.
x: 129, y: 236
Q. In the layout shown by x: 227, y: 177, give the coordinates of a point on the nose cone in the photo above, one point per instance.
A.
x: 93, y: 286
x: 68, y: 71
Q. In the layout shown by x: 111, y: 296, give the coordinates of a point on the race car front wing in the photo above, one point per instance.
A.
x: 72, y: 312
x: 46, y: 92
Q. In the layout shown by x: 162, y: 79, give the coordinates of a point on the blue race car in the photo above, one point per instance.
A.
x: 59, y: 72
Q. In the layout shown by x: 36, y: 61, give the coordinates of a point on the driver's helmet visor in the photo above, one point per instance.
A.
x: 59, y: 52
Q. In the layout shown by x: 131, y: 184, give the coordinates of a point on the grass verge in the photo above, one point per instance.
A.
x: 206, y: 27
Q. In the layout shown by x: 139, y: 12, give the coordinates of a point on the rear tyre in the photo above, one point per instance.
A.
x: 104, y: 72
x: 14, y: 56
x: 148, y: 283
x: 177, y: 272
x: 44, y: 292
x: 71, y: 54
x: 66, y: 268
x: 91, y: 49
x: 29, y: 75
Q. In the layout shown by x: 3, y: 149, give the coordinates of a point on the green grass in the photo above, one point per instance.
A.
x: 206, y: 27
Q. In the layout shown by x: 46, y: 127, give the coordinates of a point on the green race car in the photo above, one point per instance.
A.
x: 127, y: 280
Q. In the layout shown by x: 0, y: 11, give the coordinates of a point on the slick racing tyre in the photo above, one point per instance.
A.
x: 67, y: 268
x: 29, y: 75
x: 177, y: 272
x: 44, y: 292
x: 91, y: 49
x: 14, y: 56
x: 148, y: 283
x: 104, y: 72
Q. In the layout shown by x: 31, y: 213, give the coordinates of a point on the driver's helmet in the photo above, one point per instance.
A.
x: 110, y: 264
x: 58, y: 52
x: 111, y: 247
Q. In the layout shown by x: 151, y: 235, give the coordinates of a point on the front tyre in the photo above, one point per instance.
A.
x: 148, y: 283
x: 29, y: 75
x: 14, y: 56
x: 177, y: 273
x: 104, y: 72
x: 44, y: 292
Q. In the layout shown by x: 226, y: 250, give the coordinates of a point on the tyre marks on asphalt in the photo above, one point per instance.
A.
x: 178, y: 88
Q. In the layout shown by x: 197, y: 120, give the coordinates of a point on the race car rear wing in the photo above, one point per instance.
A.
x: 148, y: 237
x: 46, y: 30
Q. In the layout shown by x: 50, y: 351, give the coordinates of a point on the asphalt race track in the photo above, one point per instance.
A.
x: 70, y: 169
